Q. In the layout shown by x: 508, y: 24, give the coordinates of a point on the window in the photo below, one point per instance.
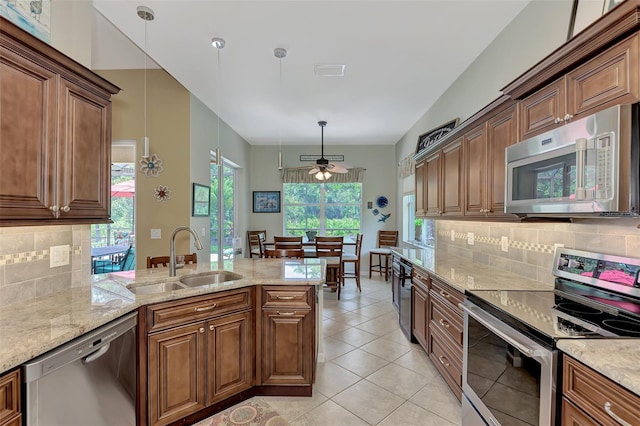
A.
x: 329, y: 208
x: 416, y: 231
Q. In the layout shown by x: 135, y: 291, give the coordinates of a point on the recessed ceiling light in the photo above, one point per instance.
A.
x: 326, y: 70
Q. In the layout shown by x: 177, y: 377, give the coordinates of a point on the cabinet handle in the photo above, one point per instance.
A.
x: 557, y: 120
x: 286, y: 313
x: 444, y: 294
x: 441, y: 359
x: 55, y: 211
x: 206, y: 308
x: 65, y: 209
x: 211, y: 327
x: 201, y: 330
x: 614, y: 416
x: 568, y: 117
x: 443, y: 323
x: 285, y: 297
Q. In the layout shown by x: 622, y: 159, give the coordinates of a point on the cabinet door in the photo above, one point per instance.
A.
x: 176, y: 373
x: 27, y: 136
x: 420, y: 188
x: 608, y: 79
x: 475, y: 165
x: 229, y: 354
x: 287, y: 352
x: 451, y: 186
x: 419, y: 320
x: 543, y: 110
x: 432, y: 185
x: 10, y: 409
x: 501, y: 132
x: 84, y: 153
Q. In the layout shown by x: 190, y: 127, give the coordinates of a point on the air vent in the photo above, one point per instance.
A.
x: 323, y: 70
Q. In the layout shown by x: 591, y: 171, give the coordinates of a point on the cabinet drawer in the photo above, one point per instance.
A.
x: 174, y: 313
x: 445, y: 319
x: 591, y: 391
x: 447, y: 294
x: 449, y: 365
x: 288, y: 297
x: 10, y: 398
x: 572, y: 415
x: 420, y: 277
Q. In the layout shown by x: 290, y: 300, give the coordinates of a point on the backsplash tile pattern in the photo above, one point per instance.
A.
x: 532, y: 245
x: 24, y: 261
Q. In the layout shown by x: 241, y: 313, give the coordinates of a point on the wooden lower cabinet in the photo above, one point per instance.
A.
x: 286, y: 335
x: 420, y: 320
x: 176, y: 373
x: 10, y: 408
x: 589, y: 398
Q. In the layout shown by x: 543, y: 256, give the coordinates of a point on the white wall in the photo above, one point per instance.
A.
x: 380, y: 178
x: 204, y: 139
x: 537, y: 31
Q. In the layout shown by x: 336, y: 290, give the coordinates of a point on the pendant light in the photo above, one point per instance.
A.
x: 219, y: 44
x: 146, y: 14
x: 280, y: 53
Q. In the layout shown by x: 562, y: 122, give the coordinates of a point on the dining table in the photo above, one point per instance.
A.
x: 108, y: 251
x: 309, y: 247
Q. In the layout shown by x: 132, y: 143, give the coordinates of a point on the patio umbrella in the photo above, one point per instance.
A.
x: 124, y: 189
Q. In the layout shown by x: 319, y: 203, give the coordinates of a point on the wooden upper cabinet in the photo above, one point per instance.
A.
x: 608, y: 79
x: 502, y: 131
x: 475, y: 164
x: 55, y: 135
x: 452, y: 169
x: 432, y: 181
x: 419, y: 188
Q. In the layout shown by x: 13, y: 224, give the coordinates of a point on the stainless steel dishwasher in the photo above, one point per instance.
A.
x: 90, y: 381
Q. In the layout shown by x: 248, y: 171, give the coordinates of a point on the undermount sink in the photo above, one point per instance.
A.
x: 155, y: 288
x: 207, y: 278
x: 189, y: 281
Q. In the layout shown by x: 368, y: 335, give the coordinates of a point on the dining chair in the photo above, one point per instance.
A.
x: 287, y: 242
x: 256, y: 241
x: 280, y: 253
x: 157, y: 261
x: 331, y: 249
x: 124, y: 263
x: 355, y: 259
x: 386, y: 239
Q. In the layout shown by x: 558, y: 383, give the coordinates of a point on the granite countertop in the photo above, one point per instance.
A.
x: 617, y: 359
x: 31, y: 329
x: 464, y: 274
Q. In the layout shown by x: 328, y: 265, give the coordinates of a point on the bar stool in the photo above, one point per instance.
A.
x: 355, y: 259
x: 330, y: 248
x: 385, y: 239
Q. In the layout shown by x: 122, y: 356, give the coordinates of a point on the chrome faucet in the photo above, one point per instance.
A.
x: 172, y: 247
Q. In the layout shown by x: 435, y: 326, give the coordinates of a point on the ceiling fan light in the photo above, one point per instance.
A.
x: 322, y: 175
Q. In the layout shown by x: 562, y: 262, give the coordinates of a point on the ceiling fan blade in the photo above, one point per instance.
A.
x: 337, y: 168
x: 314, y: 171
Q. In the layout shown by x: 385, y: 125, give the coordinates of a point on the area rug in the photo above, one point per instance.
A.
x: 253, y: 412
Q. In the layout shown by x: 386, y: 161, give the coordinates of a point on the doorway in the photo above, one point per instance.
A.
x: 223, y: 213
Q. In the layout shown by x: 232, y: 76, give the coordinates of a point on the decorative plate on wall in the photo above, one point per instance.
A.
x: 382, y: 201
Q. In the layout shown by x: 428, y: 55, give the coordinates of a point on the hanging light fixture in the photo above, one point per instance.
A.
x: 323, y: 173
x: 280, y: 53
x: 146, y: 14
x: 219, y: 44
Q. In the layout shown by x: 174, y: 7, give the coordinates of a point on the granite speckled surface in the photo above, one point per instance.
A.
x: 31, y: 329
x: 465, y: 274
x: 617, y: 359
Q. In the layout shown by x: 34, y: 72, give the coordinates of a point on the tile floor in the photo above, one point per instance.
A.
x: 372, y: 374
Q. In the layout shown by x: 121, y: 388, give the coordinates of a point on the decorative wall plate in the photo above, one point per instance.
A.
x: 382, y: 201
x: 151, y: 166
x: 162, y: 193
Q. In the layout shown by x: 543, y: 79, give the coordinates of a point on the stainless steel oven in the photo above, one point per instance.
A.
x: 508, y: 378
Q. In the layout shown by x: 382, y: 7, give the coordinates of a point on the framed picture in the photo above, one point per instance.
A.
x: 266, y: 201
x: 430, y: 138
x: 200, y: 203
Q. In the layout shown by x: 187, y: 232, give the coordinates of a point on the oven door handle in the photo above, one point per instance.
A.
x: 506, y: 333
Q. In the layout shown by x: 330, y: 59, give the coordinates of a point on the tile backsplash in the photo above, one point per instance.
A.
x: 24, y: 261
x: 530, y: 246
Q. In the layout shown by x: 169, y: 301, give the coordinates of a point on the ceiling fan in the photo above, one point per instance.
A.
x: 323, y: 167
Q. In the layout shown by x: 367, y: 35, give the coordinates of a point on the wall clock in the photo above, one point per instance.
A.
x: 382, y: 201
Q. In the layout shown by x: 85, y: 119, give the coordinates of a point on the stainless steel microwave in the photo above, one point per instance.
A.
x: 586, y: 167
